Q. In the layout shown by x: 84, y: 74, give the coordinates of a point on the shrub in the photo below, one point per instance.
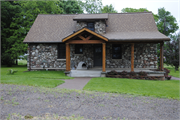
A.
x: 113, y: 72
x: 142, y: 73
x: 124, y: 73
x: 132, y: 74
x: 11, y: 71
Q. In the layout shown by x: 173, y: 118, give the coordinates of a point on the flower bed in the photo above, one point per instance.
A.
x: 132, y: 75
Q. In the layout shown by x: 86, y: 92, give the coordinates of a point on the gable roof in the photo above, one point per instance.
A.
x: 121, y: 27
x: 82, y: 30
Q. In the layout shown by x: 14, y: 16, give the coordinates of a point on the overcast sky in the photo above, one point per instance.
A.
x: 173, y: 6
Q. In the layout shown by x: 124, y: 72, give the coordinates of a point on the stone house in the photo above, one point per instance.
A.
x: 87, y: 41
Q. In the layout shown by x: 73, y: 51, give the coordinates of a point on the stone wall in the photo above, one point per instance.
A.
x: 145, y: 56
x: 99, y: 26
x: 86, y: 57
x: 44, y: 56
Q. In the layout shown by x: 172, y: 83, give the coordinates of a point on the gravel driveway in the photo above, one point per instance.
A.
x: 23, y: 101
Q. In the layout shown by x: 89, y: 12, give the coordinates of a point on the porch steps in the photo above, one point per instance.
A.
x: 85, y: 73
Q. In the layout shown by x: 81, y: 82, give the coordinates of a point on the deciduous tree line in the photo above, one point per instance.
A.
x: 17, y: 18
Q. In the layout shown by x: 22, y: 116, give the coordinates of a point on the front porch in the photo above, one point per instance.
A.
x: 97, y: 72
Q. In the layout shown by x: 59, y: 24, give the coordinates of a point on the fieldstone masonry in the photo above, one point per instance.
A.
x: 145, y: 56
x: 99, y: 26
x: 44, y: 56
x: 86, y: 57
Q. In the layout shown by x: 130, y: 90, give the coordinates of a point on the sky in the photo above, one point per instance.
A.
x: 173, y: 6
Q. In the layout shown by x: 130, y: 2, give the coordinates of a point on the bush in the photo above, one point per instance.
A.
x: 113, y: 72
x: 124, y: 73
x: 141, y: 73
x: 11, y: 71
x: 132, y: 74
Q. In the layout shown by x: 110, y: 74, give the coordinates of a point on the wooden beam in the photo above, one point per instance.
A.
x: 89, y: 37
x: 161, y: 56
x: 80, y: 36
x: 67, y: 57
x: 98, y: 35
x: 85, y: 41
x: 132, y: 57
x: 80, y: 31
x: 104, y: 57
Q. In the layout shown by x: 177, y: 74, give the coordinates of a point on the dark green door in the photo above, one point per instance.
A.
x: 97, y: 55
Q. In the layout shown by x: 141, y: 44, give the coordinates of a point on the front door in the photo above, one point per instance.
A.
x: 97, y: 55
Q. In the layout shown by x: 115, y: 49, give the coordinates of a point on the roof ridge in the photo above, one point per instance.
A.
x: 100, y: 13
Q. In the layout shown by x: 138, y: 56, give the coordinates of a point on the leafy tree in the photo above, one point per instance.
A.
x: 129, y: 10
x: 8, y: 11
x: 91, y: 6
x: 171, y: 51
x: 108, y: 9
x: 169, y: 28
x: 20, y: 17
x: 165, y: 17
x: 70, y: 7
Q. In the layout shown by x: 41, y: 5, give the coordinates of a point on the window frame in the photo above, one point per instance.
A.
x: 93, y: 26
x: 116, y: 52
x: 60, y: 56
x: 77, y: 48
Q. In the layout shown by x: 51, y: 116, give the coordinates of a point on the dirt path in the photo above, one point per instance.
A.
x: 20, y: 101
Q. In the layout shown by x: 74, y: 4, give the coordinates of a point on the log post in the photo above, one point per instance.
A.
x: 67, y: 57
x: 132, y: 57
x: 104, y: 57
x: 161, y: 56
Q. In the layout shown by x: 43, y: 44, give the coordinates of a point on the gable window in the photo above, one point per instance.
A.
x: 90, y: 26
x: 78, y: 49
x: 61, y: 51
x: 116, y: 51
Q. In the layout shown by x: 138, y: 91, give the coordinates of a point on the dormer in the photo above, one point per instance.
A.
x: 94, y: 22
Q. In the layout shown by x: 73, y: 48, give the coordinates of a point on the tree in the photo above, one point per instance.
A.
x: 20, y: 17
x: 91, y: 6
x: 70, y: 7
x: 171, y: 51
x: 9, y: 11
x: 167, y: 27
x: 108, y: 9
x: 165, y: 18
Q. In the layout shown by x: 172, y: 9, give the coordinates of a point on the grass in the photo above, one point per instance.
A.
x: 22, y: 62
x: 172, y: 71
x: 44, y: 78
x: 164, y: 89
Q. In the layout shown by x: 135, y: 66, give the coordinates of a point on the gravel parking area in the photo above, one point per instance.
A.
x: 40, y: 103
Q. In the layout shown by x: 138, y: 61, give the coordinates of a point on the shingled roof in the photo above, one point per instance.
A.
x: 121, y: 27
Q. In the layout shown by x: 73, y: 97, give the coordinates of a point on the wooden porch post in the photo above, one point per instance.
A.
x: 104, y: 57
x: 67, y: 57
x: 132, y: 57
x: 161, y: 56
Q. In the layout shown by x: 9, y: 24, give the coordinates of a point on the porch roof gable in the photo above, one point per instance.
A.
x: 82, y: 30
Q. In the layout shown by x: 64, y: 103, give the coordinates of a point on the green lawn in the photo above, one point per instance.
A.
x: 33, y: 78
x: 172, y: 71
x: 167, y: 89
x: 22, y: 62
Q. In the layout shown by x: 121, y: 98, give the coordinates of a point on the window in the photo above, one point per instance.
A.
x: 116, y: 51
x: 90, y: 26
x: 78, y: 49
x: 61, y: 51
